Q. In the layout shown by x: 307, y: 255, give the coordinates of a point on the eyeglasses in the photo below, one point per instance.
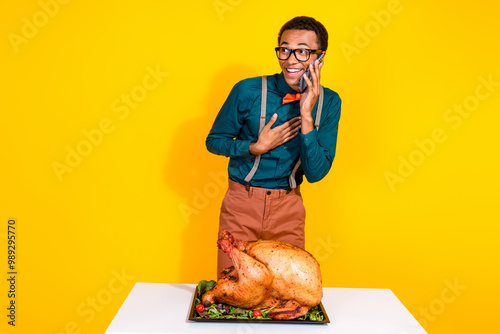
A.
x: 300, y: 54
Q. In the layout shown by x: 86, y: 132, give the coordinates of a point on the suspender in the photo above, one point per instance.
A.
x: 262, y: 123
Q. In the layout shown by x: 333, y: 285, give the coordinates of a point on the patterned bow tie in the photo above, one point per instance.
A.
x: 291, y: 97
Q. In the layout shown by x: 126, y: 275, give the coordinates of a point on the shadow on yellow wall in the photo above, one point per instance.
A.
x: 200, y: 178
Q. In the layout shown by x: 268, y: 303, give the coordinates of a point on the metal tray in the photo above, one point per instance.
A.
x: 192, y: 311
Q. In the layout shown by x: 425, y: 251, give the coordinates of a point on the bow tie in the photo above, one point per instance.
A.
x: 291, y: 97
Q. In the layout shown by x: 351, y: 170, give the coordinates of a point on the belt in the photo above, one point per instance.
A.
x: 263, y: 192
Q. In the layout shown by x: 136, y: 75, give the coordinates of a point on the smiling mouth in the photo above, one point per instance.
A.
x: 293, y: 71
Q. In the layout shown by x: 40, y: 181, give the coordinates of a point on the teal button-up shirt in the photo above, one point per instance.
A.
x: 237, y: 125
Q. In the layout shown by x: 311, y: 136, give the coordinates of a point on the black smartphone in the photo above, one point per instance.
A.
x: 302, y: 82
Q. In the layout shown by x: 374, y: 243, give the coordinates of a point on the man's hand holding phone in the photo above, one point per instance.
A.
x: 311, y: 94
x: 302, y: 81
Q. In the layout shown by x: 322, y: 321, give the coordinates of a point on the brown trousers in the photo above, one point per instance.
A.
x: 258, y: 213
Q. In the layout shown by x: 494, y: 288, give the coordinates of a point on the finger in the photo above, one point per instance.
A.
x: 318, y: 71
x: 312, y: 87
x: 289, y: 123
x: 292, y: 130
x: 296, y: 126
x: 308, y: 81
x: 294, y: 122
x: 315, y: 76
x: 273, y: 119
x: 291, y: 136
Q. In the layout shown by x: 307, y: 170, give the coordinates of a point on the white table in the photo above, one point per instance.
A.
x: 153, y: 308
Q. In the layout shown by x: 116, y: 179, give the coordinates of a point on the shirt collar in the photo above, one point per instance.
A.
x: 283, y: 87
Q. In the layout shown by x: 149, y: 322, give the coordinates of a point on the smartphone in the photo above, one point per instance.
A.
x: 302, y: 82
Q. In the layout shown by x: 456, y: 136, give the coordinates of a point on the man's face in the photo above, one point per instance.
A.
x: 292, y: 68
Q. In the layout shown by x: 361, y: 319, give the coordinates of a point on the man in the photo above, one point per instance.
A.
x: 270, y: 133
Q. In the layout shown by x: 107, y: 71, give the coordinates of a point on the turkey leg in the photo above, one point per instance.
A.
x: 247, y: 285
x: 288, y: 309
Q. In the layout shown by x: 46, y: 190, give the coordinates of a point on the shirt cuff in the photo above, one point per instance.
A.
x: 308, y: 139
x: 244, y: 148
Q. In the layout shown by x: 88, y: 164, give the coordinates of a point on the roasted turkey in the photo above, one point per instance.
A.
x: 267, y: 274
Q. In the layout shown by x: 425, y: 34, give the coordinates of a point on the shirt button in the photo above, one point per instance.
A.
x: 268, y: 192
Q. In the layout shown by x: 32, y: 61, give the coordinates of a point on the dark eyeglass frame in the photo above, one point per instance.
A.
x: 277, y: 49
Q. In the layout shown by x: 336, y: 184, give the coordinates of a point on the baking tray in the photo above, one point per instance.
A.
x: 192, y: 312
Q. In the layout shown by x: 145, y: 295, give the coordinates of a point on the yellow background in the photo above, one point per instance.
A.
x: 143, y: 203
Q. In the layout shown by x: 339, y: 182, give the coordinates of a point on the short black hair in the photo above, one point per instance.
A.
x: 307, y: 23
